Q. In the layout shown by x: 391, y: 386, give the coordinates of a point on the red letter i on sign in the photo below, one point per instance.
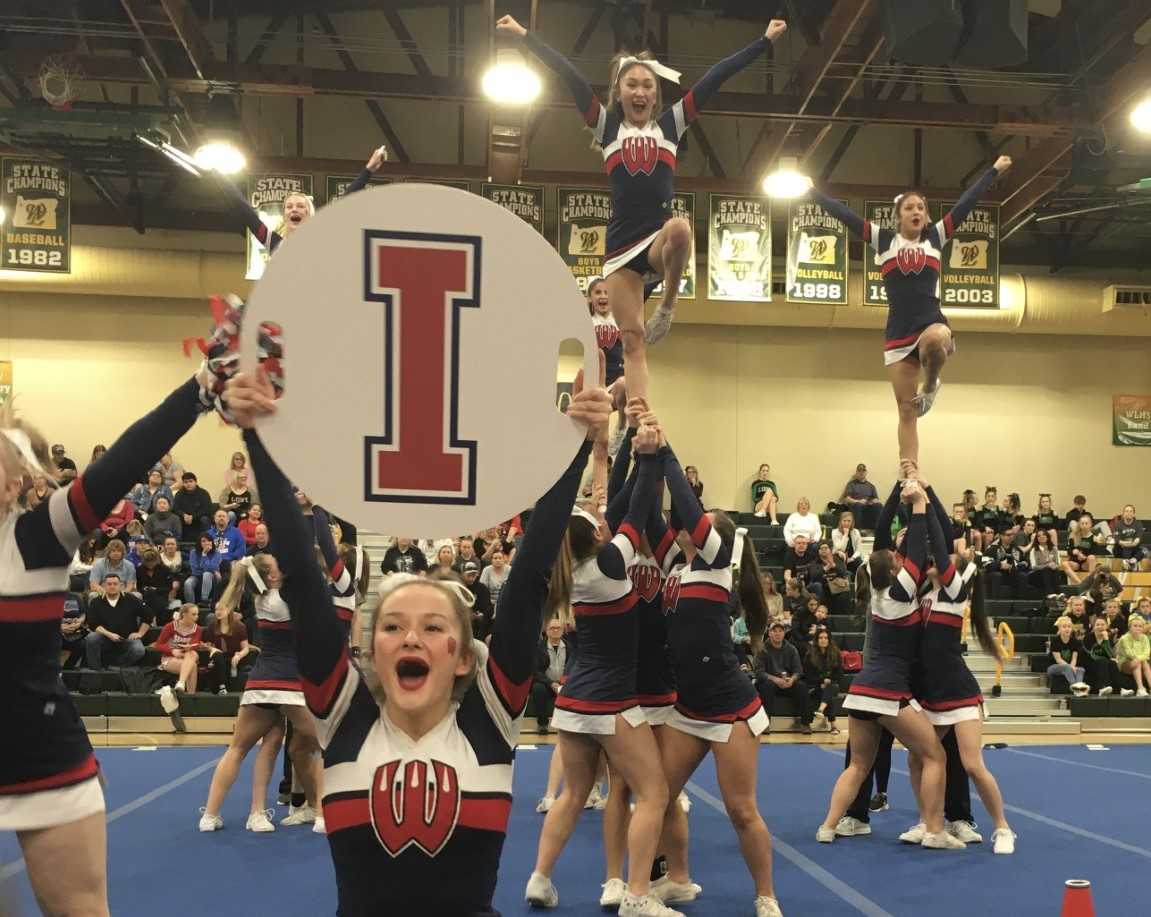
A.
x: 422, y: 280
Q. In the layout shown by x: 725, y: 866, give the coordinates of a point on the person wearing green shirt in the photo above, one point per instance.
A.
x: 1133, y: 652
x: 764, y: 494
x: 1099, y: 660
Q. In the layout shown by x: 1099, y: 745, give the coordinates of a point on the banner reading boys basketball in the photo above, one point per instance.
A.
x: 337, y: 185
x: 525, y: 201
x: 583, y: 217
x: 971, y: 263
x: 683, y: 205
x: 1131, y: 420
x: 882, y: 214
x: 739, y: 248
x: 37, y: 197
x: 266, y: 193
x: 816, y: 255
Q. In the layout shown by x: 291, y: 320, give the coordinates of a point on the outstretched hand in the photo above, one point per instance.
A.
x: 250, y: 397
x: 592, y: 408
x: 775, y: 28
x: 509, y: 24
x: 378, y: 158
x: 1002, y: 164
x: 646, y: 440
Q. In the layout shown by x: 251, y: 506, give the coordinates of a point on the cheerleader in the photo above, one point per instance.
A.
x: 419, y: 745
x: 910, y: 255
x: 50, y: 792
x: 880, y: 695
x: 348, y: 569
x: 177, y: 644
x: 946, y: 688
x: 640, y: 143
x: 610, y: 343
x: 717, y: 708
x: 272, y: 693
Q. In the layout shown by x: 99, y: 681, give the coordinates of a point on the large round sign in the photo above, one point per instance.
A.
x: 422, y: 328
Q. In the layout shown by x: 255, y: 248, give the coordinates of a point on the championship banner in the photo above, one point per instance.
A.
x: 337, y: 185
x: 5, y: 381
x: 583, y: 219
x: 266, y: 193
x: 1131, y: 420
x: 462, y: 184
x: 882, y: 214
x: 739, y: 248
x: 816, y: 255
x: 971, y: 263
x: 37, y: 197
x: 525, y: 201
x: 683, y: 205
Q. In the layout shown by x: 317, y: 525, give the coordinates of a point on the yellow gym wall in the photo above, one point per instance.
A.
x: 1026, y: 412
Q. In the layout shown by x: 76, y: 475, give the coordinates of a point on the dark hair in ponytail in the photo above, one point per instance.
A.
x: 862, y: 591
x: 749, y: 589
x: 980, y: 624
x: 880, y: 564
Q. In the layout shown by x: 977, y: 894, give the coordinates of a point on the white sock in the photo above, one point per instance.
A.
x: 179, y: 686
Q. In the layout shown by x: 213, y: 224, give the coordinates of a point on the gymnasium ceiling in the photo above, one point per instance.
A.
x: 314, y: 86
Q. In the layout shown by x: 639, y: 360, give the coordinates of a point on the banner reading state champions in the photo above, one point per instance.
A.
x: 337, y: 185
x: 739, y: 248
x: 37, y: 197
x: 971, y: 263
x: 266, y: 193
x: 816, y: 255
x: 583, y: 217
x: 683, y: 205
x: 525, y: 201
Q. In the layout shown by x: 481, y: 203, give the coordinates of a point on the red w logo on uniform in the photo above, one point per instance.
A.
x: 646, y: 580
x: 418, y: 803
x: 606, y: 336
x: 639, y: 154
x: 911, y: 260
x: 671, y: 589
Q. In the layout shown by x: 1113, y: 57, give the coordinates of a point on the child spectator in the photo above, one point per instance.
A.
x: 822, y: 669
x: 1099, y: 660
x: 1065, y: 652
x: 1133, y: 653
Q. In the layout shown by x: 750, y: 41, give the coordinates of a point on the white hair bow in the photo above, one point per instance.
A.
x: 584, y: 514
x: 254, y: 575
x: 737, y: 546
x: 654, y: 66
x: 394, y: 581
x: 23, y: 444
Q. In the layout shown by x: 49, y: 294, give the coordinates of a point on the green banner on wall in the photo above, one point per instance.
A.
x: 337, y: 185
x: 37, y: 199
x: 683, y: 205
x: 582, y: 232
x: 739, y: 248
x: 816, y: 255
x: 525, y: 201
x: 1131, y: 420
x: 970, y: 275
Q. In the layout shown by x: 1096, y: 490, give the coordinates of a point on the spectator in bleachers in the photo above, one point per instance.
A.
x: 741, y: 638
x: 846, y: 541
x: 692, y: 474
x: 970, y: 503
x: 170, y: 556
x: 822, y: 670
x: 1142, y: 608
x: 259, y: 543
x: 467, y: 553
x: 158, y: 586
x: 989, y: 515
x: 170, y: 471
x: 1129, y: 539
x: 1045, y: 515
x: 1004, y: 558
x: 482, y: 606
x: 961, y: 527
x: 1081, y: 549
x: 81, y: 566
x: 860, y: 497
x: 1133, y: 653
x: 1046, y: 564
x: 227, y: 538
x: 65, y: 467
x: 1099, y: 660
x: 802, y: 522
x: 237, y: 497
x: 163, y: 522
x: 204, y: 576
x: 192, y: 504
x: 771, y: 597
x: 403, y: 557
x: 1024, y: 538
x: 551, y: 657
x: 495, y: 575
x: 1013, y: 508
x: 177, y: 645
x: 1116, y: 620
x: 238, y: 465
x: 830, y: 572
x: 137, y: 541
x: 1101, y: 586
x: 115, y: 524
x: 1077, y: 614
x: 1079, y: 508
x: 146, y: 494
x: 797, y: 561
x: 72, y: 632
x: 779, y: 670
x: 117, y: 622
x: 794, y: 598
x: 804, y: 624
x: 445, y: 562
x: 251, y: 521
x: 38, y: 492
x: 1065, y: 652
x: 228, y: 648
x: 765, y: 495
x: 98, y: 451
x: 115, y: 560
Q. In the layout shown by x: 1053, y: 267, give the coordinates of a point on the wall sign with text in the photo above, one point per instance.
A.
x: 583, y: 217
x: 37, y: 234
x: 816, y: 255
x: 739, y: 248
x: 970, y: 274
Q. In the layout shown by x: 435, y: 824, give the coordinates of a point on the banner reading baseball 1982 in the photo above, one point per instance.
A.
x: 525, y: 201
x: 971, y: 263
x: 37, y: 197
x: 816, y: 255
x: 739, y: 248
x: 583, y: 219
x: 1131, y: 420
x: 266, y: 193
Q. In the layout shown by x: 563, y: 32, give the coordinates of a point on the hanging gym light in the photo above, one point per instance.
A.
x: 510, y: 81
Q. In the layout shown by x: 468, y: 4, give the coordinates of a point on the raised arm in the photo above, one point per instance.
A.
x: 946, y: 228
x: 940, y: 546
x: 883, y: 539
x: 615, y: 557
x: 269, y: 238
x: 687, y: 109
x: 379, y: 157
x: 915, y: 550
x: 706, y: 539
x: 939, y: 513
x: 343, y: 582
x: 858, y: 226
x: 586, y: 100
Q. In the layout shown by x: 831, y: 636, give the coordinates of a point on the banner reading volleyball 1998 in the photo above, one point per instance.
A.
x: 816, y: 255
x: 882, y: 214
x: 739, y: 248
x: 583, y: 217
x: 970, y: 275
x: 525, y: 201
x: 266, y: 193
x: 37, y: 198
x: 683, y: 205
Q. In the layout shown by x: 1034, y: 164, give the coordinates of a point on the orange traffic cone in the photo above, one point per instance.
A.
x: 1077, y: 899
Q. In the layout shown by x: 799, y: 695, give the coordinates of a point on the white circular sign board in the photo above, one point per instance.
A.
x: 422, y: 327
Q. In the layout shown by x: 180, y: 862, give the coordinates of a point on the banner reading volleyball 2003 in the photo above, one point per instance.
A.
x: 970, y: 275
x: 525, y: 201
x: 583, y: 217
x: 37, y: 198
x: 816, y: 255
x: 266, y: 193
x: 739, y: 248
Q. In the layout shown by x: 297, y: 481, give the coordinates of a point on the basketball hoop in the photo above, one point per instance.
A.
x: 60, y: 81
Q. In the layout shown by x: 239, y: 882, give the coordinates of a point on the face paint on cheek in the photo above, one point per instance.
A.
x: 451, y: 646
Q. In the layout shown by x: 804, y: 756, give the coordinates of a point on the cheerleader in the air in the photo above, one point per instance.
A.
x: 640, y: 142
x: 910, y: 255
